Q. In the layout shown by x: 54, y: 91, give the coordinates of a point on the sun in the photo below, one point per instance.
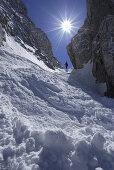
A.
x: 66, y: 26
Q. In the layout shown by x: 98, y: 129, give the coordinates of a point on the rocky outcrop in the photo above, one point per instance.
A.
x: 2, y: 35
x: 103, y: 54
x: 14, y: 19
x: 95, y: 42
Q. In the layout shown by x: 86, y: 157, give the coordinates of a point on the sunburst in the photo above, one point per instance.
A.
x: 64, y: 25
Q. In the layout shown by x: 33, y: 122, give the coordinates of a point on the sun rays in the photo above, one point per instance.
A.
x: 64, y: 27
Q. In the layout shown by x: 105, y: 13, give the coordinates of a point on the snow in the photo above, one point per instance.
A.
x: 52, y: 119
x: 13, y: 47
x: 98, y: 141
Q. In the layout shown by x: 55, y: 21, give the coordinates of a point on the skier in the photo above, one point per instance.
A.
x: 66, y: 64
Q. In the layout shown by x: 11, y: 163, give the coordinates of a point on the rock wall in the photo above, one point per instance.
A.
x: 95, y: 42
x: 2, y: 35
x: 103, y: 54
x: 14, y: 19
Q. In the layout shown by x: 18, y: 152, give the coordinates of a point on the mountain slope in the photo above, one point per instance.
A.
x: 49, y: 119
x: 15, y: 21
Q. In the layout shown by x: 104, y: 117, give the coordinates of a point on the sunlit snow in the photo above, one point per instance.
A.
x: 52, y: 120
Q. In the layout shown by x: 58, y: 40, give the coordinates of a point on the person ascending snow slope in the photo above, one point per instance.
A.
x: 66, y: 64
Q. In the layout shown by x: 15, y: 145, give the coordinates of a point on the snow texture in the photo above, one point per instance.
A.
x: 52, y: 120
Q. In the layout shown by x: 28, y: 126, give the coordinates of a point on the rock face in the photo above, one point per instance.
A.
x: 2, y: 36
x: 95, y: 42
x: 103, y: 54
x: 14, y: 19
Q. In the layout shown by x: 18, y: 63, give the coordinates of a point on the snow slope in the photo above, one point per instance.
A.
x: 51, y: 120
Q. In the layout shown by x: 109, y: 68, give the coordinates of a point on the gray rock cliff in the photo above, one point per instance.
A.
x: 15, y: 21
x: 2, y: 35
x: 95, y: 42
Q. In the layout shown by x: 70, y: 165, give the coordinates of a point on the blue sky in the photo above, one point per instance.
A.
x: 46, y: 13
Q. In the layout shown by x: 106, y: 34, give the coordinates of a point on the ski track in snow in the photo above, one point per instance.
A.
x: 51, y: 119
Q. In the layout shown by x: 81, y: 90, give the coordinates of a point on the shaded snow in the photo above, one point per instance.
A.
x: 51, y: 119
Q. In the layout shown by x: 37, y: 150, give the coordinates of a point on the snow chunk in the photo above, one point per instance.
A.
x: 38, y: 137
x: 80, y: 156
x: 98, y: 169
x: 98, y: 141
x: 2, y: 116
x: 20, y: 151
x: 30, y: 145
x: 55, y: 153
x: 20, y: 131
x: 8, y: 152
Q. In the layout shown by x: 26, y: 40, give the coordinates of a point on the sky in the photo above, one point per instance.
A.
x: 49, y: 16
